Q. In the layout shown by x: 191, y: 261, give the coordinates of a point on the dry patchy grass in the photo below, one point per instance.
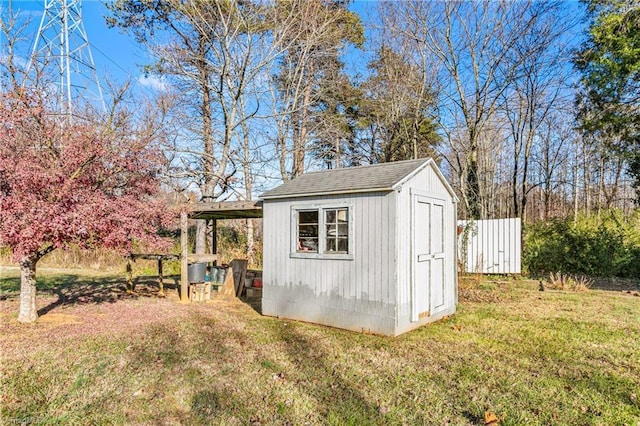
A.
x: 529, y: 357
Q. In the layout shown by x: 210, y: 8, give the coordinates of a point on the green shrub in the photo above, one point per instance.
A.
x: 606, y: 245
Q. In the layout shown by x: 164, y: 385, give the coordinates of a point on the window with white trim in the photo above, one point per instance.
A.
x: 307, y: 231
x: 336, y: 222
x: 322, y: 231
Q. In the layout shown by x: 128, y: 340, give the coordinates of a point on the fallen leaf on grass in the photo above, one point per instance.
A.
x: 491, y: 419
x: 457, y: 327
x: 279, y: 378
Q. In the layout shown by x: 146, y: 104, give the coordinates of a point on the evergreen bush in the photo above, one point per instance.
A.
x: 605, y: 245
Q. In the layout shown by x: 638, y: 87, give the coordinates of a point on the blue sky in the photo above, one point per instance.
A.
x: 117, y: 56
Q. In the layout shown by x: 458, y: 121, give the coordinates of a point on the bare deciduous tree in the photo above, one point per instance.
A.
x: 479, y: 49
x: 322, y: 30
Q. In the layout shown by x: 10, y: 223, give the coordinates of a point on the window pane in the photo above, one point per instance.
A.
x: 308, y: 244
x: 308, y: 231
x: 343, y: 245
x: 331, y: 216
x: 308, y: 217
x: 336, y: 230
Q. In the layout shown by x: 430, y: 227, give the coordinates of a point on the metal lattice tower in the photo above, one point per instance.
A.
x: 62, y: 49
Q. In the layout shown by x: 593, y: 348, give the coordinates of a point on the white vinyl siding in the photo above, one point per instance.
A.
x: 342, y: 290
x: 425, y: 184
x: 491, y: 246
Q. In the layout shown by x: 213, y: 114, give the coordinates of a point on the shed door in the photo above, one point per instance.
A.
x: 428, y: 256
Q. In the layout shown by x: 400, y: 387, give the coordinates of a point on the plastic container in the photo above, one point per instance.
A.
x: 257, y: 282
x: 220, y: 274
x: 214, y: 274
x: 196, y: 272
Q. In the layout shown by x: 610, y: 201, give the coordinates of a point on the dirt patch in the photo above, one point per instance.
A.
x: 59, y: 319
x: 66, y: 319
x: 481, y: 290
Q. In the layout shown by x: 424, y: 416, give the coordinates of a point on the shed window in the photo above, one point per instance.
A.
x: 322, y: 231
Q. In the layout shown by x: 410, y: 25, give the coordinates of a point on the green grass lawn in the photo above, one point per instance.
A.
x: 529, y: 357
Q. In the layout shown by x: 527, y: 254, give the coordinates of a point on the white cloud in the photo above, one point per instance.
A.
x: 28, y: 15
x: 18, y: 61
x: 153, y: 82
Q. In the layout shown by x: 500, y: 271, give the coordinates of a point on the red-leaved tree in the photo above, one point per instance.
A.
x: 72, y: 183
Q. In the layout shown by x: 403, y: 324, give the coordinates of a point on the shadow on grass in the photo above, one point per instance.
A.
x: 72, y: 289
x: 331, y: 387
x: 616, y: 284
x: 254, y: 303
x: 335, y: 389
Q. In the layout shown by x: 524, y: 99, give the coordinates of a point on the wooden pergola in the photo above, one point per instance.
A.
x: 211, y: 212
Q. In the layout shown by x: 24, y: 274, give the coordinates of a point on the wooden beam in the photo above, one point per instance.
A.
x: 225, y: 206
x: 214, y: 238
x: 184, y: 249
x: 152, y: 256
x: 201, y: 258
x: 226, y: 210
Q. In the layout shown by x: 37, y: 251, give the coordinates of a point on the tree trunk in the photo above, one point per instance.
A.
x: 210, y: 177
x: 201, y: 236
x: 575, y: 191
x: 28, y: 312
x: 250, y: 247
x: 248, y: 184
x: 472, y: 182
x: 514, y: 184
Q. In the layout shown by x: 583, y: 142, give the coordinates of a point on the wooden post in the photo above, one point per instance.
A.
x: 214, y: 238
x: 160, y: 279
x: 184, y: 248
x: 129, y: 275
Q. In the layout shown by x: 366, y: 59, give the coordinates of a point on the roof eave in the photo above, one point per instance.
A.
x: 411, y: 174
x: 316, y: 194
x: 429, y: 162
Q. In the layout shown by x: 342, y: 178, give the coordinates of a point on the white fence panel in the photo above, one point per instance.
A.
x: 492, y: 246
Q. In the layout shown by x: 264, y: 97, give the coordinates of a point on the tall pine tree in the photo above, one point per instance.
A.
x: 609, y: 105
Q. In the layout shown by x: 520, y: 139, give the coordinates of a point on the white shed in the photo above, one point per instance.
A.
x: 369, y: 248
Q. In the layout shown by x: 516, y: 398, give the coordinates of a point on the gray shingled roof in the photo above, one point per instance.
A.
x: 378, y: 177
